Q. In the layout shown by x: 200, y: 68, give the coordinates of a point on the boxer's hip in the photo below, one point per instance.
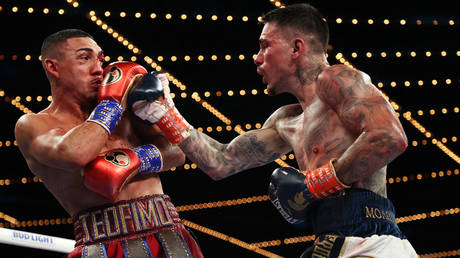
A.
x: 357, y: 223
x: 357, y: 212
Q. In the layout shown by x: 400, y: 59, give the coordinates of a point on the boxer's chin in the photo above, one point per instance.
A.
x: 271, y: 90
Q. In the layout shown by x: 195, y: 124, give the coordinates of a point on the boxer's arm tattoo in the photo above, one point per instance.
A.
x: 223, y: 160
x: 366, y: 113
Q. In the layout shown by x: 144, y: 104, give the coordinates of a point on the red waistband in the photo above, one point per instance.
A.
x: 119, y: 220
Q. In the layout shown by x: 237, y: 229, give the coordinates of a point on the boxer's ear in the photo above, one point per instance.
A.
x: 51, y: 66
x: 298, y: 47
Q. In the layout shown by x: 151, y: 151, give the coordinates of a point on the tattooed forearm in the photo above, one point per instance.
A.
x: 222, y: 160
x: 371, y: 152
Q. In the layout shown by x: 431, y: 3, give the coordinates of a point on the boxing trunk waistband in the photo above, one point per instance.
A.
x: 125, y: 219
x: 357, y: 212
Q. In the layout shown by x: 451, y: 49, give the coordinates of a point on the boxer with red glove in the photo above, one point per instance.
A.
x: 106, y: 175
x: 291, y: 192
x: 119, y: 78
x: 145, y: 103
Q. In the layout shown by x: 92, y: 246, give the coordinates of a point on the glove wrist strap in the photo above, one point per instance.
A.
x: 150, y: 157
x: 323, y: 181
x: 106, y: 114
x: 175, y: 127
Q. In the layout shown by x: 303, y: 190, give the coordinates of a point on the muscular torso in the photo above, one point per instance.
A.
x: 68, y: 187
x: 316, y: 135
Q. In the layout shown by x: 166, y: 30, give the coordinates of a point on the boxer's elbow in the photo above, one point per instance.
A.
x: 214, y: 171
x: 401, y: 142
x: 70, y: 158
x: 398, y: 139
x: 391, y: 142
x: 214, y: 175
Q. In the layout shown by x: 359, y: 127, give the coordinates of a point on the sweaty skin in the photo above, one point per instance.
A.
x: 340, y: 115
x: 58, y: 142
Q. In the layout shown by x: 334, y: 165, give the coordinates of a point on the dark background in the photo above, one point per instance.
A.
x: 23, y: 32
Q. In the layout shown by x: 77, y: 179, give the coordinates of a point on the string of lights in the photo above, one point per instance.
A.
x: 433, y: 111
x: 398, y: 54
x: 429, y: 135
x: 12, y: 222
x: 15, y: 102
x: 277, y: 3
x: 243, y: 56
x: 226, y: 203
x: 433, y: 82
x: 425, y: 142
x: 233, y: 18
x: 402, y: 22
x: 228, y: 239
x: 179, y: 16
x: 9, y: 219
x: 31, y: 10
x: 441, y: 254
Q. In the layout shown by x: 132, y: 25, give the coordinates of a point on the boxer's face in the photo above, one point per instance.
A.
x: 273, y: 60
x: 80, y: 65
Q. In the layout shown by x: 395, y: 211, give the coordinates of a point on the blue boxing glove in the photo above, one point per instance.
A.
x: 289, y: 194
x: 292, y: 192
x: 147, y: 90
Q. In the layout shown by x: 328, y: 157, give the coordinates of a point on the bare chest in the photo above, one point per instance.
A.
x: 316, y: 135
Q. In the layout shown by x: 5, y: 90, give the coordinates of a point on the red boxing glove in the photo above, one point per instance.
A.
x: 119, y: 78
x: 106, y: 175
x: 323, y: 181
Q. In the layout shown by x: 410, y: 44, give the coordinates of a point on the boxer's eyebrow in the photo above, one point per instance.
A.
x: 85, y: 49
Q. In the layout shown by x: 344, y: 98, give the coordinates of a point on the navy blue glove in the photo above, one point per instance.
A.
x: 148, y: 89
x: 289, y: 194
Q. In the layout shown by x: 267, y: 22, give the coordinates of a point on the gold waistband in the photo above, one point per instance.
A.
x: 124, y: 219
